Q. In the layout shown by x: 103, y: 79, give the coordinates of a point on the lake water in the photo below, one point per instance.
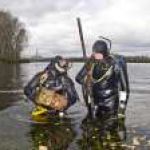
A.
x: 17, y: 132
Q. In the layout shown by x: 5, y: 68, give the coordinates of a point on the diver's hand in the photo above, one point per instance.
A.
x: 122, y: 99
x: 123, y: 96
x: 61, y: 114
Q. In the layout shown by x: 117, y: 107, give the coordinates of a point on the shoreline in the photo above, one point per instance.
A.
x: 129, y: 59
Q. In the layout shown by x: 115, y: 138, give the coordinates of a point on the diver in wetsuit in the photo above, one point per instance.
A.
x: 54, y: 77
x: 108, y: 76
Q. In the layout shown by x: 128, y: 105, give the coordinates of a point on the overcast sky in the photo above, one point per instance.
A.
x: 52, y: 26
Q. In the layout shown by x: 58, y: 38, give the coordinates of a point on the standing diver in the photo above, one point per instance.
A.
x: 50, y: 88
x: 108, y: 78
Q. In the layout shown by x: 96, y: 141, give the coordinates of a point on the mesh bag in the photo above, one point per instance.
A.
x: 51, y: 99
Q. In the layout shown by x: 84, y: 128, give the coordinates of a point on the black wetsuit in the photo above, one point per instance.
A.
x: 105, y: 87
x: 59, y: 82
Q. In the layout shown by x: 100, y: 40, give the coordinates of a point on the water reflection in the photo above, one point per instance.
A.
x: 95, y: 135
x: 9, y: 81
x: 48, y: 137
x: 103, y: 134
x: 10, y: 76
x: 81, y: 133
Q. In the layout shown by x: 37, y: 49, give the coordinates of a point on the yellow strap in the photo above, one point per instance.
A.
x: 43, y: 77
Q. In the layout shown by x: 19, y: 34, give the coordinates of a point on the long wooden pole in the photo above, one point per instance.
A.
x: 86, y: 92
x: 81, y: 37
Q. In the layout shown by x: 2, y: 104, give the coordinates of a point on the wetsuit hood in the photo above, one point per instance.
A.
x: 100, y: 47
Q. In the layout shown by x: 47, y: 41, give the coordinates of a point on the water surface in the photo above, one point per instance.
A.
x: 17, y: 132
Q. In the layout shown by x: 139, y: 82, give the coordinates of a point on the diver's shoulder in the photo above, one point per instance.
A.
x: 119, y: 58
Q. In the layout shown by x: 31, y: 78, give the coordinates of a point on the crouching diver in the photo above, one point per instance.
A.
x: 52, y: 90
x: 108, y: 79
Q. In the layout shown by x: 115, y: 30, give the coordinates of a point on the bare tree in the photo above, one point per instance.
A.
x: 13, y: 36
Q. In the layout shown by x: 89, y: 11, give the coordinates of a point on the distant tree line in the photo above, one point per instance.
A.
x: 138, y: 59
x: 13, y: 36
x: 129, y: 59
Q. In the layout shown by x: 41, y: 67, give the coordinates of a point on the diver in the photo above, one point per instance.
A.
x: 104, y: 79
x: 51, y: 88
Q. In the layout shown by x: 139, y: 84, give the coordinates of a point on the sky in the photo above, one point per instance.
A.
x: 52, y: 26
